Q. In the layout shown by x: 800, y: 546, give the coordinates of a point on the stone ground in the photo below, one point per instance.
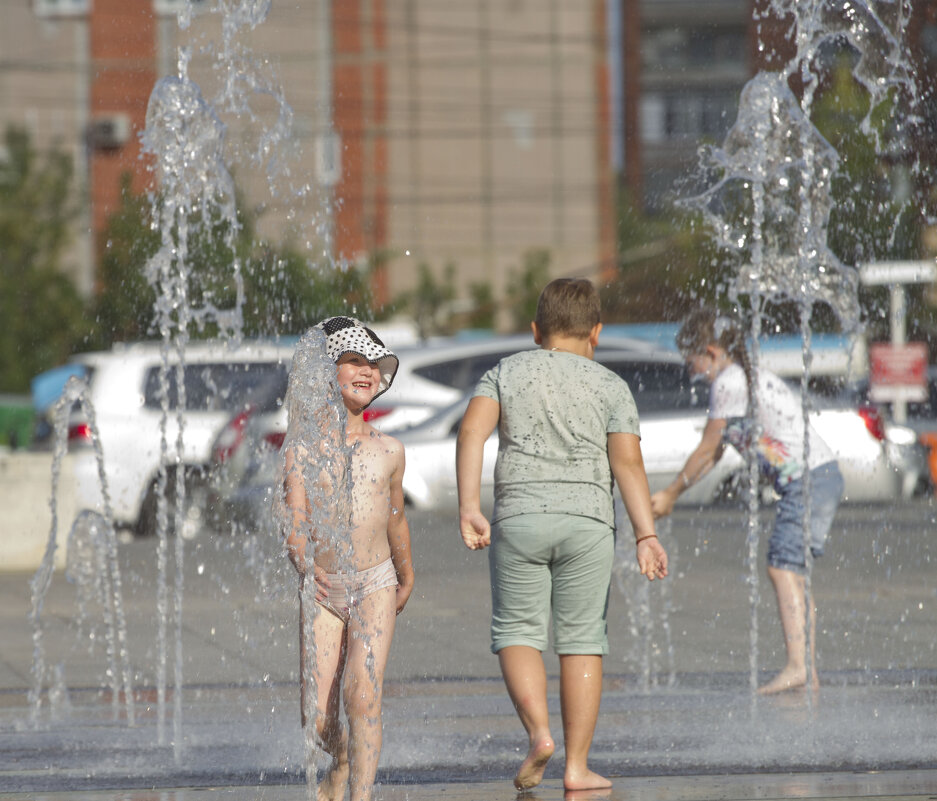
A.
x: 678, y: 720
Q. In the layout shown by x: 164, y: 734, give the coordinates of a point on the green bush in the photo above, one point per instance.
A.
x: 16, y: 423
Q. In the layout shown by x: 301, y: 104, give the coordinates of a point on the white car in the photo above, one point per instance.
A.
x: 672, y: 412
x: 124, y: 390
x: 876, y: 461
x: 431, y: 377
x: 434, y: 374
x: 441, y: 371
x: 879, y: 461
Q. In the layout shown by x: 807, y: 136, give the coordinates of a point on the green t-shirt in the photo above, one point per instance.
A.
x: 557, y: 410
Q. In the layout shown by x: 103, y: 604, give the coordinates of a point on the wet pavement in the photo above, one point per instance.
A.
x: 917, y: 784
x: 678, y: 718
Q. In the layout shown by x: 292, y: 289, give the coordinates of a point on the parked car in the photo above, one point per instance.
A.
x: 905, y: 453
x: 124, y: 390
x: 441, y: 371
x: 920, y: 417
x: 670, y: 407
x: 431, y: 377
x: 905, y: 442
x: 437, y: 373
x: 879, y: 460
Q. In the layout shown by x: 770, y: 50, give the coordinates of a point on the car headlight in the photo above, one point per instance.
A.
x: 900, y: 435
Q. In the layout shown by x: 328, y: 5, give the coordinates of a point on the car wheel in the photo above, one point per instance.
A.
x: 733, y: 490
x: 193, y: 517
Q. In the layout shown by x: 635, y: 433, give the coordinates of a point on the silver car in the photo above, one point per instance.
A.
x: 431, y: 377
x: 672, y: 412
x: 877, y: 463
x: 880, y: 461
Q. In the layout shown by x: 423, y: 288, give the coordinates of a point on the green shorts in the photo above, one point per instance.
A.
x: 540, y: 562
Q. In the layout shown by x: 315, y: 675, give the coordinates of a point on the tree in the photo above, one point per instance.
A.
x: 881, y: 197
x: 524, y: 287
x: 122, y: 308
x: 40, y: 307
x: 482, y: 314
x: 666, y: 265
x: 283, y: 291
x: 430, y: 299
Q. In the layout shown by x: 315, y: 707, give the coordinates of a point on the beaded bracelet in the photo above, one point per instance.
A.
x: 645, y: 537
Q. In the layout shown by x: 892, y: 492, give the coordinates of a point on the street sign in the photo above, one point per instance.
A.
x: 898, y: 372
x: 898, y: 272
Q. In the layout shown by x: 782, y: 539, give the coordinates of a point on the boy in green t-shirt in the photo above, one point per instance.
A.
x: 567, y: 427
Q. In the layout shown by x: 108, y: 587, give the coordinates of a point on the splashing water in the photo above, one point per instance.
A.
x: 775, y: 155
x: 91, y: 564
x: 769, y: 202
x: 185, y: 143
x: 186, y: 139
x: 315, y: 451
x: 649, y: 614
x: 769, y: 207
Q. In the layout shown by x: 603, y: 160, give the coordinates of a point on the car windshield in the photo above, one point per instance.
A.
x: 463, y: 372
x: 269, y: 395
x: 214, y: 387
x: 657, y: 386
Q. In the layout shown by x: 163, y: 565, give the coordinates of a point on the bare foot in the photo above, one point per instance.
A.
x: 588, y: 780
x: 530, y: 773
x: 587, y: 795
x: 788, y: 679
x: 333, y: 784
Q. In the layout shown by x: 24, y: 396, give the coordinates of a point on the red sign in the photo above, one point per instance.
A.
x: 898, y: 372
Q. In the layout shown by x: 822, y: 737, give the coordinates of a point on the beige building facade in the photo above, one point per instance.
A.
x: 501, y: 144
x: 45, y: 89
x: 421, y: 132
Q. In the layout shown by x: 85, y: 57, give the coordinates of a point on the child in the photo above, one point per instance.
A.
x: 714, y: 348
x: 362, y: 568
x: 567, y: 425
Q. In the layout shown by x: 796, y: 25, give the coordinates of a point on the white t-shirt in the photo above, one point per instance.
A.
x: 780, y: 446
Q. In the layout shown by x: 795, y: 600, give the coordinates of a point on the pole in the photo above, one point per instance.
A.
x: 898, y: 312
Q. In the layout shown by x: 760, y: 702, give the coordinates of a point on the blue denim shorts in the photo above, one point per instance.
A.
x: 786, y: 546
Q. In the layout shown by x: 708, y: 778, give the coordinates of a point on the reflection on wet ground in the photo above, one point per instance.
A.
x: 902, y: 786
x: 678, y: 719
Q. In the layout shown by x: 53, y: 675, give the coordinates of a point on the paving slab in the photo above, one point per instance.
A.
x: 905, y: 786
x: 678, y: 719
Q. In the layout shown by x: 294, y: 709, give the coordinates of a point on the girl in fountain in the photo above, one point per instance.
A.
x: 714, y: 349
x: 359, y: 558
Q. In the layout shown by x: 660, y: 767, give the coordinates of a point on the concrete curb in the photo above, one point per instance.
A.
x: 27, y: 503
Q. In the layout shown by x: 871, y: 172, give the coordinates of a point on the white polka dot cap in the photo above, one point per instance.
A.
x: 348, y: 335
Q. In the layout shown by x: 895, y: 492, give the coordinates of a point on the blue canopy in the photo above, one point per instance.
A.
x: 47, y: 387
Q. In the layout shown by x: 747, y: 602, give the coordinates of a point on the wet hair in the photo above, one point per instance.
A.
x: 568, y: 306
x: 705, y: 327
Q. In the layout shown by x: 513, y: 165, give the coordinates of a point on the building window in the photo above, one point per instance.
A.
x: 61, y: 8
x: 175, y: 6
x: 686, y: 115
x: 679, y: 48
